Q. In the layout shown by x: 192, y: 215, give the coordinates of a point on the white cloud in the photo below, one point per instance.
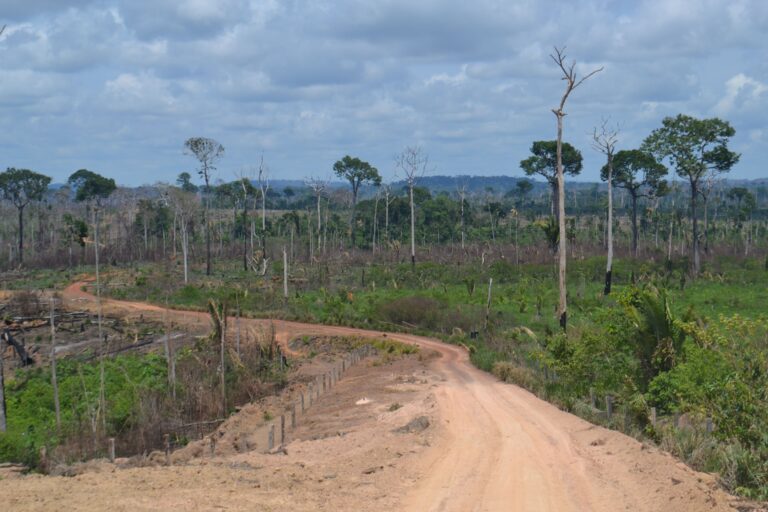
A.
x: 311, y: 80
x: 741, y: 92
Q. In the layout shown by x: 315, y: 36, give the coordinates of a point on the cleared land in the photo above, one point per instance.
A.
x: 488, y: 446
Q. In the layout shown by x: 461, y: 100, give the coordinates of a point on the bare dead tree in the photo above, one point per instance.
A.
x: 245, y: 179
x: 572, y: 82
x: 708, y: 184
x: 412, y: 162
x: 462, y: 193
x: 185, y: 206
x: 604, y: 141
x: 318, y: 186
x: 263, y: 178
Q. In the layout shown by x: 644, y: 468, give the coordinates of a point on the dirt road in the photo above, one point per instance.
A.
x: 491, y: 447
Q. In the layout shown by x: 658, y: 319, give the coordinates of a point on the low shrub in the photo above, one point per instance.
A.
x: 519, y: 375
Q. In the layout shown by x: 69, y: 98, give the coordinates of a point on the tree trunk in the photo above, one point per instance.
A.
x: 555, y: 195
x: 706, y: 225
x: 3, y: 420
x: 695, y: 230
x: 375, y: 224
x: 285, y: 274
x: 634, y: 225
x: 609, y: 264
x: 319, y: 226
x: 207, y: 214
x: 413, y: 228
x: 245, y: 235
x: 352, y: 216
x: 21, y: 235
x: 185, y: 249
x: 563, y: 300
x: 102, y: 392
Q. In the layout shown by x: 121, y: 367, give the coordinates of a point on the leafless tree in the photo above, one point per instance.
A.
x: 318, y: 186
x: 185, y: 205
x: 412, y: 162
x: 604, y: 141
x: 572, y: 82
x: 245, y: 179
x: 462, y: 193
x: 263, y: 178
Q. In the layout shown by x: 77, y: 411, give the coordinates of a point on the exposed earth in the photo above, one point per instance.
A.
x: 426, y: 432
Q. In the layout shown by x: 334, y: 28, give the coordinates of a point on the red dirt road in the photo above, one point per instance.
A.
x: 492, y: 447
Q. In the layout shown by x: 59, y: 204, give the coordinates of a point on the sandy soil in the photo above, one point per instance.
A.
x: 489, y: 446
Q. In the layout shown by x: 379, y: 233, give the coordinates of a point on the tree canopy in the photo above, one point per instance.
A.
x: 544, y: 160
x: 356, y: 172
x: 638, y: 172
x: 91, y: 186
x: 21, y: 186
x: 207, y: 151
x: 693, y: 146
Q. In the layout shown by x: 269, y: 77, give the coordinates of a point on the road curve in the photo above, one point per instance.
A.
x: 500, y: 448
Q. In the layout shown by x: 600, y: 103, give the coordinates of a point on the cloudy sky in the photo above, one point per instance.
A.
x: 116, y: 86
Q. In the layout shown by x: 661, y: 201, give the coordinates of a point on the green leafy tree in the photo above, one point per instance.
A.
x: 640, y: 174
x: 184, y: 181
x: 21, y: 187
x: 543, y: 162
x: 356, y: 172
x: 743, y: 203
x: 207, y: 152
x: 695, y: 148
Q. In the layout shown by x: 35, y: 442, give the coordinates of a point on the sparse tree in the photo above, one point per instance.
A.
x: 695, y: 147
x: 604, y: 140
x: 569, y: 76
x: 543, y: 162
x: 245, y: 190
x: 207, y: 152
x: 184, y: 181
x: 21, y: 187
x: 185, y: 205
x: 412, y: 162
x: 642, y: 176
x: 318, y: 186
x: 263, y: 179
x: 356, y: 172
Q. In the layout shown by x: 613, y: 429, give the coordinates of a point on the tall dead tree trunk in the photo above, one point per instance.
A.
x: 569, y: 76
x: 604, y: 141
x: 3, y: 410
x: 413, y: 163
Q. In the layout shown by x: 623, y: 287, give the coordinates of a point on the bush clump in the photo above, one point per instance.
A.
x: 514, y: 374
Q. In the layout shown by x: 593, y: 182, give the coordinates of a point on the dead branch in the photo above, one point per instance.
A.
x: 569, y: 75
